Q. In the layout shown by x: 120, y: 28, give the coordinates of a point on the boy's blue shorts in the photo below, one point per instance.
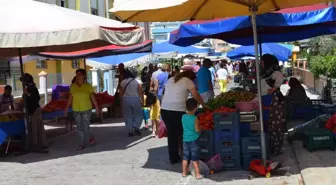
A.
x: 191, y: 151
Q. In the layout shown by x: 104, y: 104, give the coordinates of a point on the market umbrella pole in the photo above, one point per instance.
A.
x: 26, y: 118
x: 85, y: 64
x: 255, y: 39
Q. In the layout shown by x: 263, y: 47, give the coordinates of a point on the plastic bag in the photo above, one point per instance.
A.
x: 215, y: 164
x: 162, y: 131
x: 204, y: 169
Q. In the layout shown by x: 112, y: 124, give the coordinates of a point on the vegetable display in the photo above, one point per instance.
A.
x: 102, y: 98
x: 229, y: 98
x: 206, y: 118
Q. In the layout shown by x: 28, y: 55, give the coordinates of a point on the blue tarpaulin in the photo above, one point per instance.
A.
x: 283, y: 26
x: 281, y: 52
x: 165, y: 47
x: 117, y: 59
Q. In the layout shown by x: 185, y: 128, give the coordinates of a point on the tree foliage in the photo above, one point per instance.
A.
x: 322, y: 56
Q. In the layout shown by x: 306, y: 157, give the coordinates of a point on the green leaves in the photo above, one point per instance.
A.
x: 323, y: 65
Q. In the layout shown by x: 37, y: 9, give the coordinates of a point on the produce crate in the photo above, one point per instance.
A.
x: 252, y: 144
x: 320, y: 138
x: 246, y: 160
x: 231, y: 162
x: 206, y: 151
x: 227, y: 135
x: 245, y: 129
x: 223, y: 148
x: 328, y: 109
x: 206, y: 142
x: 226, y: 120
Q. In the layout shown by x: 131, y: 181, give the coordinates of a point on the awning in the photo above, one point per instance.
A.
x: 102, y: 51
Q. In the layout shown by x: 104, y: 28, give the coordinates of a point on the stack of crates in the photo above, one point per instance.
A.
x: 206, y: 144
x: 227, y: 139
x: 251, y: 149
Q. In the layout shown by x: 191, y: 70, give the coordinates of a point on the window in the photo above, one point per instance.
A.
x: 75, y: 64
x: 94, y: 7
x: 94, y: 11
x: 41, y: 64
x: 160, y: 38
x: 221, y: 45
x: 15, y: 71
x: 62, y: 3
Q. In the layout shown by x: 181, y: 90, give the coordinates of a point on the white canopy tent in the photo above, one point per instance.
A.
x: 39, y: 27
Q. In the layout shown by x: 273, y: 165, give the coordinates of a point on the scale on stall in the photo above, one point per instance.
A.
x: 248, y: 116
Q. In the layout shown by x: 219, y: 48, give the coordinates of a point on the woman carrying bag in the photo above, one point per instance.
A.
x: 131, y: 98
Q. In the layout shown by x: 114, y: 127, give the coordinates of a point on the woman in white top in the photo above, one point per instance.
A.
x: 222, y: 75
x: 173, y: 107
x: 131, y: 97
x: 270, y: 83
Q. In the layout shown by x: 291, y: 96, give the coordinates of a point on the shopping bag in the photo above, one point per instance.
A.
x: 162, y: 131
x: 204, y: 169
x: 215, y: 164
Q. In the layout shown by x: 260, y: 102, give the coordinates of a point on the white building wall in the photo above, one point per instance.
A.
x: 72, y: 4
x: 101, y: 8
x: 84, y: 6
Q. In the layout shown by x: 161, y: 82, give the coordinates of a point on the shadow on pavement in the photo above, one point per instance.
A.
x: 108, y: 137
x: 158, y: 160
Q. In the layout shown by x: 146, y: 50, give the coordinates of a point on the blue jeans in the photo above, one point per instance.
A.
x: 83, y: 120
x: 191, y: 150
x: 132, y: 111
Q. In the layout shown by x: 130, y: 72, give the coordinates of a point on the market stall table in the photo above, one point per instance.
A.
x: 59, y: 115
x: 10, y: 129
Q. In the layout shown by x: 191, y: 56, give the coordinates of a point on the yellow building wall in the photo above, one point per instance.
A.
x: 30, y: 67
x: 66, y: 70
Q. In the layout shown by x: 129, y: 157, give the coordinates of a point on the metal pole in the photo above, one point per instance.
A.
x: 28, y: 125
x: 255, y: 39
x: 107, y: 8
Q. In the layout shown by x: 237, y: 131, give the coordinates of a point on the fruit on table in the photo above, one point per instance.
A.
x: 8, y: 118
x: 55, y: 105
x: 229, y: 98
x: 60, y: 104
x: 104, y: 98
x: 206, y: 118
x: 238, y: 96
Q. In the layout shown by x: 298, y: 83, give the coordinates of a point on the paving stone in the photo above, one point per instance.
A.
x: 116, y: 160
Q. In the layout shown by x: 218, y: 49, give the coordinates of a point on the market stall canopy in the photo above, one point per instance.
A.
x: 108, y: 61
x: 181, y: 10
x: 101, y: 51
x: 281, y: 52
x: 39, y: 27
x: 165, y: 47
x: 285, y: 25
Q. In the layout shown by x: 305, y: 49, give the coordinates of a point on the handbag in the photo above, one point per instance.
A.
x: 127, y: 86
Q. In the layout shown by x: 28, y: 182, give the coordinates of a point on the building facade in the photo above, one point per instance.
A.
x: 160, y: 31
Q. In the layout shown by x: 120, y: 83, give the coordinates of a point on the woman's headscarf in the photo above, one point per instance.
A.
x: 271, y: 64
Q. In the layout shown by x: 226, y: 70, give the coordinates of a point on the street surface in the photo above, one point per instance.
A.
x: 120, y: 160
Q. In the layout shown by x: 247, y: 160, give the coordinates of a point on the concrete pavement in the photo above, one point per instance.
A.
x: 119, y: 160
